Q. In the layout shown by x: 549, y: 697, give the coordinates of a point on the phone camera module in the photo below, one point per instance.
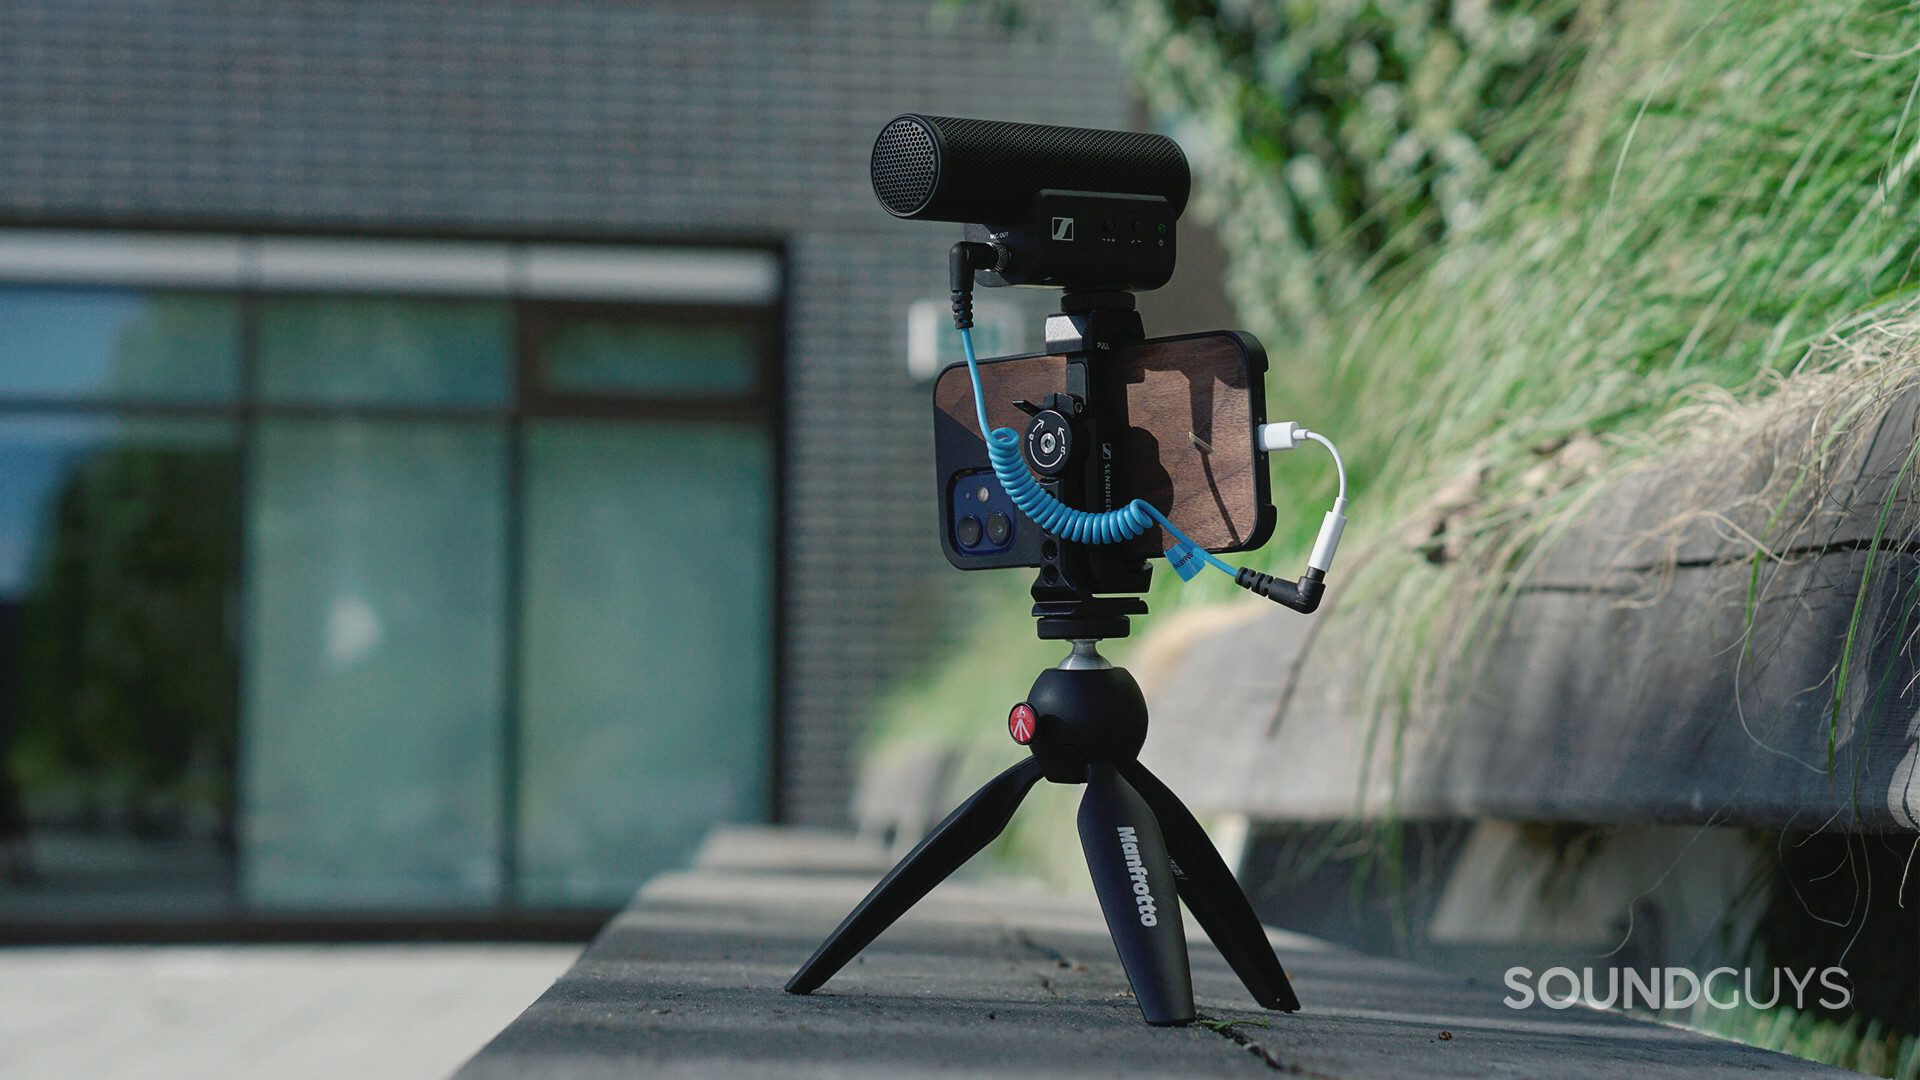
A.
x: 999, y: 527
x: 967, y: 530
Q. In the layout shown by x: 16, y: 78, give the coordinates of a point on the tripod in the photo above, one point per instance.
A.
x: 1084, y: 722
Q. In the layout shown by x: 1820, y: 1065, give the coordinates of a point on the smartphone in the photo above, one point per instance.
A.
x: 1189, y: 446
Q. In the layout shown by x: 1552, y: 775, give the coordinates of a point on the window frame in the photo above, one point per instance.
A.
x: 528, y: 400
x: 539, y: 399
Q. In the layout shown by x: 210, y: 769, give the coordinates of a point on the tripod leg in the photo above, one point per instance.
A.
x: 971, y: 826
x: 1128, y: 861
x: 1213, y: 895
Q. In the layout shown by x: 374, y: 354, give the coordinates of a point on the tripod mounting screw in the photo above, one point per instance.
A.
x: 1022, y: 722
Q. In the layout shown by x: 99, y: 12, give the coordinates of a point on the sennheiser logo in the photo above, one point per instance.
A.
x: 1137, y: 870
x: 1063, y: 228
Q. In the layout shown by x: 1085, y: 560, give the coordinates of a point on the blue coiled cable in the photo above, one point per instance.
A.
x: 1056, y: 517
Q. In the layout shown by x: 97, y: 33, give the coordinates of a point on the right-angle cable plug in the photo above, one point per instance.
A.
x: 1302, y: 596
x: 963, y: 259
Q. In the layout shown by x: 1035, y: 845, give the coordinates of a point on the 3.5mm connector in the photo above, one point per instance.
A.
x: 963, y: 260
x: 1302, y: 596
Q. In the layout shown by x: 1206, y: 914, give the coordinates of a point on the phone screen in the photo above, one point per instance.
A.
x: 1194, y: 403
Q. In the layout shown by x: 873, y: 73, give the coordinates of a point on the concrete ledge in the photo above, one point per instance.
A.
x: 790, y: 849
x: 1621, y: 685
x: 996, y: 980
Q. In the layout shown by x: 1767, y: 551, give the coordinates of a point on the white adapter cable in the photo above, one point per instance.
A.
x: 1286, y: 435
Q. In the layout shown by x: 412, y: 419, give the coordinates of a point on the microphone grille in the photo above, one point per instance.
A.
x: 903, y: 166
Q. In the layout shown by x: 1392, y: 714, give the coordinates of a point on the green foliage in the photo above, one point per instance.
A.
x: 1339, y: 139
x: 125, y: 698
x: 1867, y: 1046
x: 1673, y: 197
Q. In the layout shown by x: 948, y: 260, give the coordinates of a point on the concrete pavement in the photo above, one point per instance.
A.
x: 989, y: 979
x: 370, y: 1012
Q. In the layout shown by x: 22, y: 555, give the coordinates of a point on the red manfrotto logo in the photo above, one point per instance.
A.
x: 1020, y: 723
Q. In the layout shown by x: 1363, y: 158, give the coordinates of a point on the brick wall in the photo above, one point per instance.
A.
x: 744, y: 119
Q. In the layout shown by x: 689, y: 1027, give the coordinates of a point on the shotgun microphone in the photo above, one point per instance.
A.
x: 1077, y: 208
x: 943, y: 168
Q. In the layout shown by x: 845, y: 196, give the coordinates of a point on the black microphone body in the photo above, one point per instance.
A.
x: 944, y: 168
x: 1067, y: 207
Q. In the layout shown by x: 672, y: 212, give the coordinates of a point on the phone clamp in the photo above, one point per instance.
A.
x: 1074, y: 593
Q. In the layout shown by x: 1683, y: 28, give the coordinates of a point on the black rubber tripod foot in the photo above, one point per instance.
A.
x: 1213, y: 895
x: 1132, y: 876
x: 971, y: 826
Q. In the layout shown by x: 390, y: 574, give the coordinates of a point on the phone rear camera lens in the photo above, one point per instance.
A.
x: 968, y: 531
x: 998, y: 528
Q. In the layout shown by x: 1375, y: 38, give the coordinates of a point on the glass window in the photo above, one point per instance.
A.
x: 257, y: 662
x: 660, y: 357
x: 120, y: 344
x: 371, y: 760
x: 117, y: 544
x: 647, y: 635
x: 330, y: 350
